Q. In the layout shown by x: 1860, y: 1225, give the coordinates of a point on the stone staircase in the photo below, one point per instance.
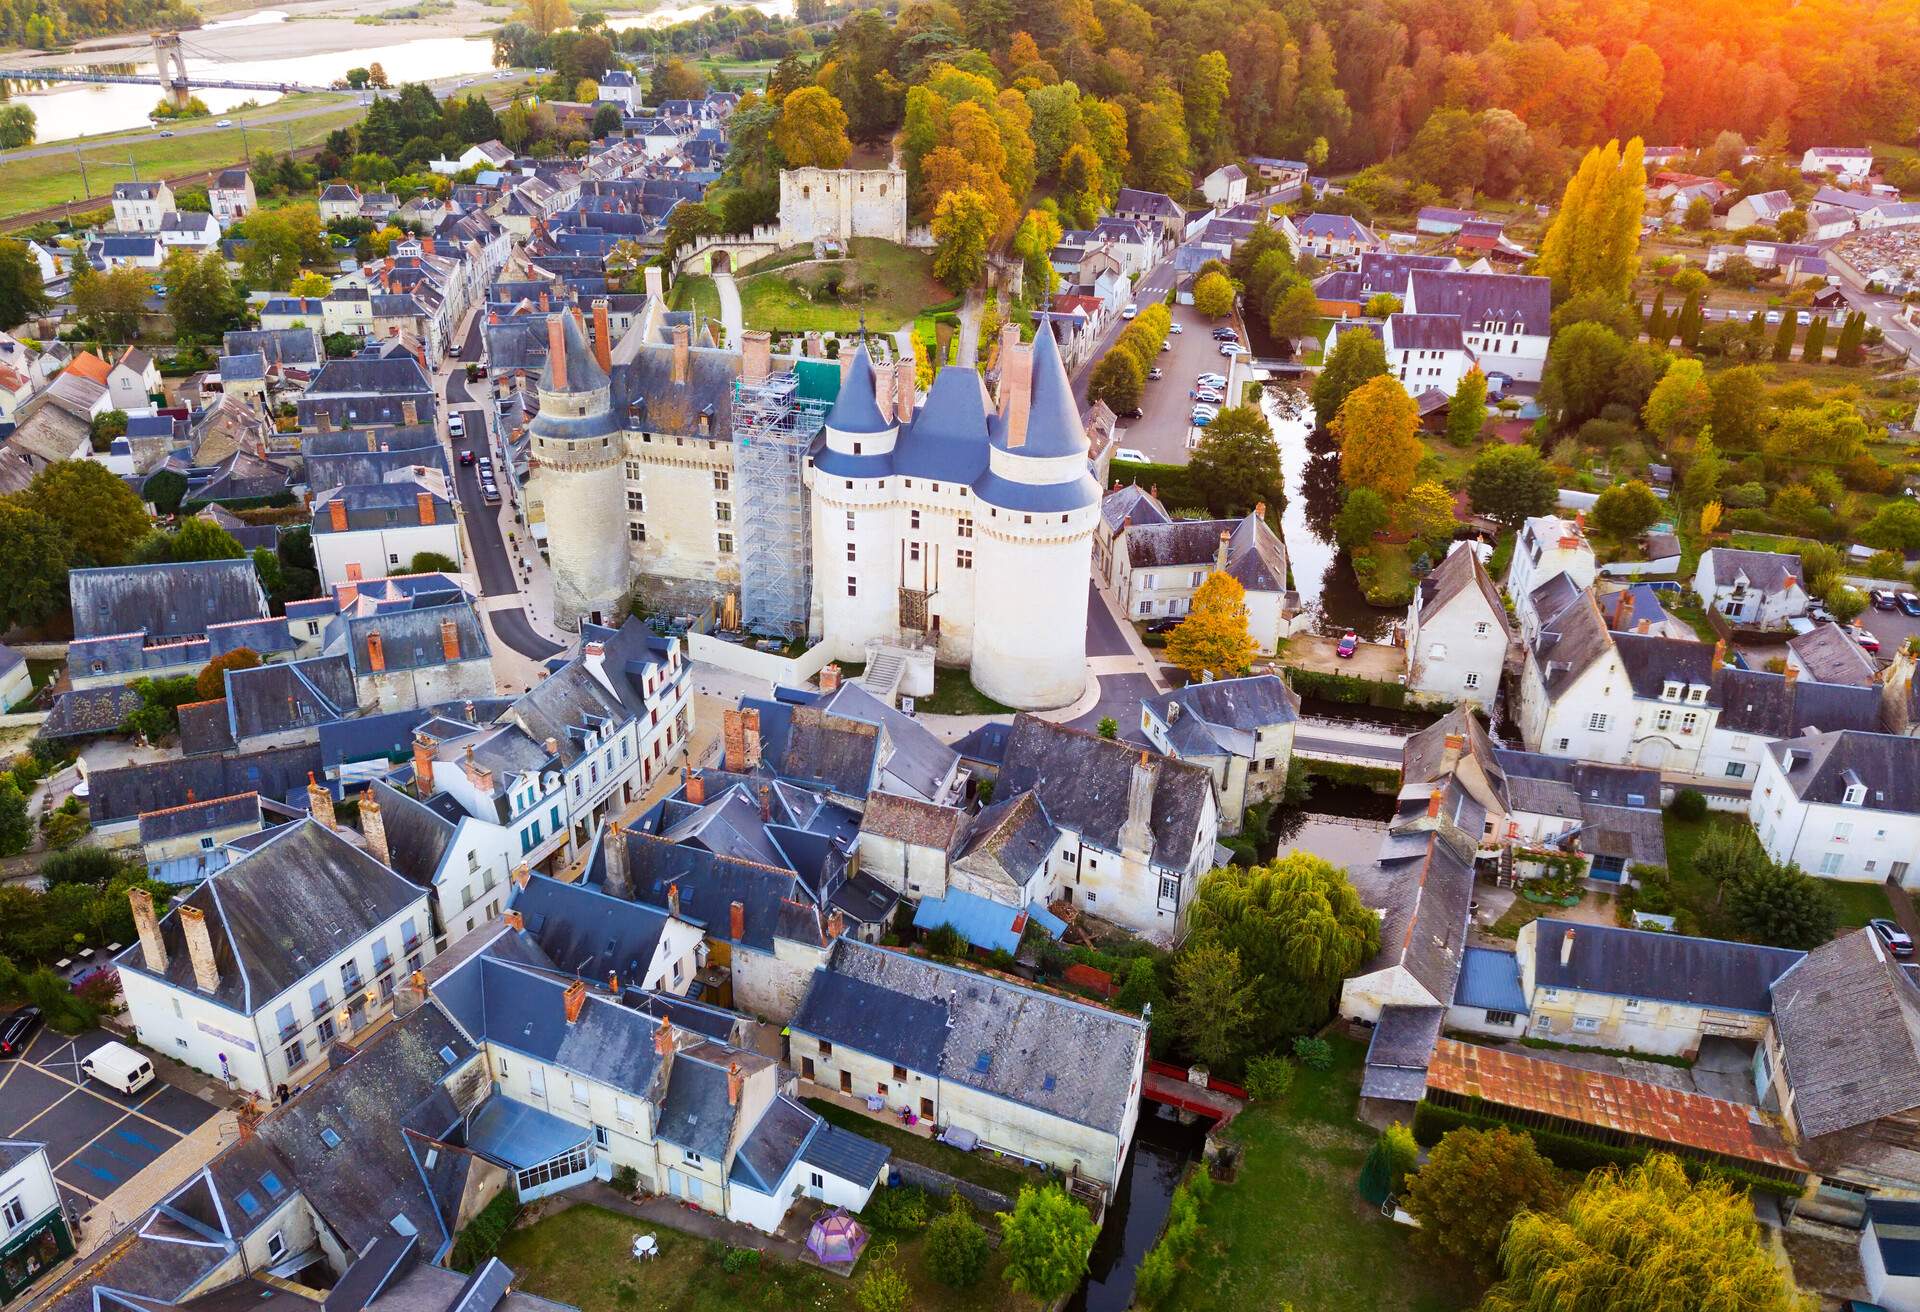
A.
x: 883, y: 675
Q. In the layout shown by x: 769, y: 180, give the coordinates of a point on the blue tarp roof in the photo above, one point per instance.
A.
x: 521, y: 1136
x: 986, y: 924
x: 1490, y: 979
x: 1046, y: 919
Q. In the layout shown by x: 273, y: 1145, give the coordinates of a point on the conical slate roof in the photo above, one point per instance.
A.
x: 856, y: 410
x: 582, y: 372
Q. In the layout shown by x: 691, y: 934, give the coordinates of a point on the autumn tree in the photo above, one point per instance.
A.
x: 1215, y: 635
x: 1473, y: 1185
x: 1047, y: 1239
x: 311, y: 285
x: 1426, y: 516
x: 1033, y: 241
x: 673, y: 77
x: 1236, y: 463
x: 1594, y: 240
x: 99, y: 516
x: 1378, y: 430
x: 545, y: 16
x: 211, y: 683
x: 811, y: 131
x: 1681, y: 404
x: 1118, y: 380
x: 1213, y: 295
x: 1300, y: 929
x: 1357, y: 356
x: 1467, y: 411
x: 1646, y: 1239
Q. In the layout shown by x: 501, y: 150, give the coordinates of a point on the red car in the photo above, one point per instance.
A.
x: 466, y: 457
x: 1865, y: 638
x: 1349, y: 643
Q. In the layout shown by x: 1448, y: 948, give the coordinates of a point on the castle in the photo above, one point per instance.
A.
x: 962, y: 526
x: 954, y: 524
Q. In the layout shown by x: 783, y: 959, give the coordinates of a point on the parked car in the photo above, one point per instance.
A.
x: 1909, y: 603
x: 1208, y: 395
x: 1865, y: 638
x: 1773, y: 316
x: 1130, y: 311
x: 1166, y: 346
x: 1881, y: 599
x: 1131, y: 455
x: 454, y: 350
x: 456, y: 424
x: 1201, y: 418
x: 1166, y: 624
x: 1349, y: 644
x: 1175, y: 328
x: 1893, y: 936
x: 1134, y: 413
x: 166, y: 132
x: 1156, y: 372
x: 17, y: 1031
x: 1231, y: 349
x: 1210, y: 380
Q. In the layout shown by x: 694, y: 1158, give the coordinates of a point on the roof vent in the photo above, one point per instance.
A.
x: 329, y: 1137
x: 446, y: 1055
x: 983, y: 1062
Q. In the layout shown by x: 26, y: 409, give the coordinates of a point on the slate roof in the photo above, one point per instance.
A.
x: 375, y: 506
x: 1132, y: 503
x: 200, y: 817
x: 1766, y: 570
x: 1522, y: 302
x: 1459, y: 571
x: 279, y: 913
x: 411, y: 639
x: 1398, y: 1051
x: 912, y: 821
x: 417, y: 835
x: 1830, y: 655
x: 1421, y: 883
x: 771, y: 1147
x: 775, y: 904
x: 1678, y: 968
x: 1848, y: 1019
x: 695, y: 1115
x: 1061, y: 1057
x: 1820, y: 767
x: 1083, y: 780
x: 280, y: 698
x: 1425, y: 332
x: 1333, y: 227
x: 1490, y: 979
x: 361, y: 468
x: 164, y: 601
x: 1009, y: 842
x: 1224, y: 716
x: 124, y: 792
x: 588, y: 932
x: 1774, y: 706
x: 1255, y: 556
x: 82, y: 711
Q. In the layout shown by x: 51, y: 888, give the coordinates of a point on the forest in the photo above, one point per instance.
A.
x: 45, y: 24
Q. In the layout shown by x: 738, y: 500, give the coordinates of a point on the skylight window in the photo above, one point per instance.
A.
x: 329, y: 1138
x: 271, y: 1183
x: 248, y: 1203
x: 983, y: 1062
x: 446, y: 1055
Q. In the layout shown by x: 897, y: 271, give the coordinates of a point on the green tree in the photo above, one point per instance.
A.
x: 1473, y: 1184
x: 1394, y: 1156
x: 957, y: 1248
x: 1236, y: 463
x: 963, y: 226
x: 1814, y: 349
x: 1213, y: 295
x: 1295, y: 312
x: 1047, y: 1238
x: 1215, y: 635
x: 1426, y: 516
x: 1681, y: 403
x: 1647, y: 1239
x: 202, y: 539
x: 1594, y: 240
x: 1699, y: 214
x: 1205, y: 93
x: 18, y: 126
x: 1033, y: 242
x: 431, y: 562
x: 1357, y: 356
x: 1467, y: 411
x: 1853, y: 330
x: 1300, y: 929
x: 1894, y: 527
x: 35, y: 549
x: 99, y: 516
x: 309, y: 285
x: 1625, y: 511
x: 1705, y: 472
x: 1783, y: 906
x: 1659, y: 330
x: 111, y: 303
x: 1582, y: 372
x: 1739, y: 407
x: 1362, y: 515
x: 22, y: 293
x: 607, y: 120
x: 165, y: 489
x: 281, y: 243
x: 1510, y: 484
x: 811, y: 131
x: 1378, y: 430
x: 1118, y: 380
x: 1783, y: 337
x: 201, y: 299
x: 1108, y: 727
x: 272, y: 578
x: 16, y: 830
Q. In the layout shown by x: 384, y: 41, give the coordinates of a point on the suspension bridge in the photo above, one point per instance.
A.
x: 169, y: 73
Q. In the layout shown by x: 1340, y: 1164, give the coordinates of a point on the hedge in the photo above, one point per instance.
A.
x: 1575, y: 1153
x: 238, y: 503
x: 1355, y: 691
x: 1173, y: 484
x: 1380, y: 778
x: 482, y: 1235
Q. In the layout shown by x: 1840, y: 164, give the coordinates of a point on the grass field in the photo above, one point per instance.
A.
x: 48, y: 180
x: 1293, y: 1229
x: 1854, y: 903
x: 696, y: 292
x: 898, y: 281
x: 583, y: 1256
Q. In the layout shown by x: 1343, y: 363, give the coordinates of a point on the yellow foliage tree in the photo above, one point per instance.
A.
x: 1378, y: 430
x: 812, y: 129
x: 1215, y: 635
x: 1709, y: 518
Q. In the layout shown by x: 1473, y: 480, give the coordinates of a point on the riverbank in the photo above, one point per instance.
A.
x: 294, y: 30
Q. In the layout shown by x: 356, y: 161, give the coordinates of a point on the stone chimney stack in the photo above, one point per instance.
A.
x: 319, y: 801
x: 422, y: 766
x: 1623, y: 611
x: 376, y: 652
x: 193, y: 924
x: 618, y: 873
x: 373, y: 827
x: 602, y: 334
x: 153, y: 949
x: 756, y: 355
x: 1435, y: 800
x: 830, y: 677
x: 1792, y: 672
x: 1220, y: 551
x: 1136, y: 831
x: 740, y: 740
x: 576, y: 999
x: 766, y: 803
x: 1566, y: 947
x: 836, y: 924
x: 904, y: 379
x: 682, y: 354
x: 556, y: 346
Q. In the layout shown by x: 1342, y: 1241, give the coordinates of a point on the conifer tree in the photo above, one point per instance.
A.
x: 1783, y: 337
x: 1659, y: 331
x: 1847, y: 350
x: 1814, y: 349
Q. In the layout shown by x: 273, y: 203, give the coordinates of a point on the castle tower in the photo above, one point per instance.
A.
x: 1038, y: 505
x: 856, y: 536
x: 578, y: 455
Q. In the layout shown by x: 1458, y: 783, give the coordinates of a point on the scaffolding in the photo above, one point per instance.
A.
x: 773, y: 427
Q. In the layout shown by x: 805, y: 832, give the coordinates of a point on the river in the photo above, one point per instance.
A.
x: 1163, y: 1149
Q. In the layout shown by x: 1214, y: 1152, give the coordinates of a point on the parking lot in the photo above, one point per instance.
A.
x: 1892, y: 627
x: 97, y: 1138
x: 1161, y: 431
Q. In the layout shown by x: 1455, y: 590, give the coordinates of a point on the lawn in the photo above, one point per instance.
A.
x: 1854, y: 902
x: 48, y: 180
x: 954, y: 694
x: 1293, y: 1229
x: 1389, y: 580
x: 894, y: 284
x: 582, y: 1256
x: 696, y: 292
x: 975, y: 1168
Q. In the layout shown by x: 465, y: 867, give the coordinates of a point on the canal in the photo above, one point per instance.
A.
x: 1163, y: 1149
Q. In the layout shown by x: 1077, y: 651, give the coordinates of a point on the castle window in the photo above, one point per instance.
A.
x: 853, y: 586
x: 637, y: 501
x: 722, y: 480
x: 856, y: 451
x: 913, y: 519
x: 1028, y: 518
x: 724, y: 541
x: 849, y: 521
x: 965, y: 528
x: 963, y: 558
x: 723, y: 512
x: 913, y: 551
x: 850, y: 553
x: 633, y: 471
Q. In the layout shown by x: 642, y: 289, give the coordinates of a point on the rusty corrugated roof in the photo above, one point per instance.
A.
x: 1612, y: 1102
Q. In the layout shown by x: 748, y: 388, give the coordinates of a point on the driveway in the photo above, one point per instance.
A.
x: 1120, y: 697
x: 97, y: 1139
x: 732, y: 317
x: 1892, y: 627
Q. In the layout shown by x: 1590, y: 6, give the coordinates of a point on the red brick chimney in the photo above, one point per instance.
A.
x: 602, y: 335
x: 737, y: 921
x: 424, y: 501
x: 682, y: 354
x: 515, y: 922
x: 450, y: 640
x: 756, y: 355
x: 337, y: 514
x: 422, y: 765
x: 696, y: 789
x: 576, y: 998
x: 376, y: 652
x: 830, y: 677
x: 836, y: 924
x: 735, y: 1080
x: 613, y: 982
x: 556, y: 345
x: 1434, y: 799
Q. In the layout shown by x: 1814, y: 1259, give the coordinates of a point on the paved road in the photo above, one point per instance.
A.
x: 1153, y: 287
x: 200, y: 127
x: 517, y: 633
x: 1881, y: 310
x: 1120, y: 696
x: 732, y: 317
x: 1104, y: 636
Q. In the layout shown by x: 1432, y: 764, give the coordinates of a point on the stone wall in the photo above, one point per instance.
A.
x: 840, y: 204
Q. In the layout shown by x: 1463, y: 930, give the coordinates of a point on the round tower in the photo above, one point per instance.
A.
x: 1038, y: 505
x: 855, y: 536
x: 578, y: 454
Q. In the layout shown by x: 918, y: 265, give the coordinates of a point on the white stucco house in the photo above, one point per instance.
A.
x: 1225, y: 187
x: 1846, y: 161
x: 141, y: 206
x: 1505, y: 318
x: 1841, y: 805
x: 1548, y: 546
x: 34, y: 1234
x: 1457, y: 631
x: 365, y: 531
x: 1753, y: 589
x: 1239, y: 730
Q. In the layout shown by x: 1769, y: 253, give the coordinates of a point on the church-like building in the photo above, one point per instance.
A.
x: 961, y: 524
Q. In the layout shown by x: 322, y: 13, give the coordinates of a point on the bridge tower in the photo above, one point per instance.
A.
x: 171, y: 64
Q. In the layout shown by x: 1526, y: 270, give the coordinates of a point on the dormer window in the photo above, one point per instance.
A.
x: 1670, y: 690
x: 1856, y: 795
x: 1697, y: 692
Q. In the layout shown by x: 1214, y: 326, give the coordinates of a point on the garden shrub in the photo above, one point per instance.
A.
x: 1153, y: 1278
x: 957, y: 1247
x: 1269, y: 1077
x: 740, y: 1259
x: 1314, y: 1054
x: 1690, y: 805
x: 900, y: 1208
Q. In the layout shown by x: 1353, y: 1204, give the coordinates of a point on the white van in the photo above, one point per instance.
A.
x: 119, y: 1067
